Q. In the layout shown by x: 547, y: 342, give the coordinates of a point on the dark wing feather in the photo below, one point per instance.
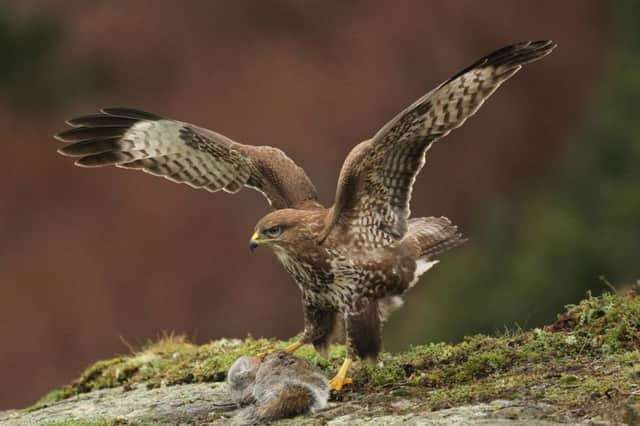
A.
x: 182, y: 152
x: 374, y: 189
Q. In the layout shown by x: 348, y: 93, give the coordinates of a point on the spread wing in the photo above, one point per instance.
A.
x: 374, y: 189
x: 184, y: 153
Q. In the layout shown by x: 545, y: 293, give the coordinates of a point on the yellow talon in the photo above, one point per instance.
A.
x: 265, y: 353
x: 289, y: 349
x: 293, y: 347
x: 341, y: 378
x: 336, y: 384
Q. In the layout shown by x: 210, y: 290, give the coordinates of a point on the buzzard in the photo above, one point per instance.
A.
x: 351, y: 261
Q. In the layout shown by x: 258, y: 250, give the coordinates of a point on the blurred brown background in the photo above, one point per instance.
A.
x: 90, y: 258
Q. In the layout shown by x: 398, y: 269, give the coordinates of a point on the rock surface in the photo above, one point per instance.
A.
x: 582, y: 369
x: 208, y: 403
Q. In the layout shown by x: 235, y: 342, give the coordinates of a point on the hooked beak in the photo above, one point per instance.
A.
x: 254, y: 241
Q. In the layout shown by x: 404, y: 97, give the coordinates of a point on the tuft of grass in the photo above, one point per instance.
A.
x: 611, y: 321
x: 168, y: 343
x: 589, y: 360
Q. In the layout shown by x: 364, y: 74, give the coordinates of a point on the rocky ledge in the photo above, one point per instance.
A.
x: 582, y: 369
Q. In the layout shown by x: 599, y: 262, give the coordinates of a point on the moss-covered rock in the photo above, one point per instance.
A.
x: 586, y: 363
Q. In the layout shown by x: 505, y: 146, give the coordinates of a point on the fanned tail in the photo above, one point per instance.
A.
x: 428, y: 237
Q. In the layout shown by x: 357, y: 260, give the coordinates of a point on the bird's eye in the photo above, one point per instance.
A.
x: 273, y: 232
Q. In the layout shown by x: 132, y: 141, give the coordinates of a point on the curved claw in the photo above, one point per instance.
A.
x: 289, y: 349
x: 341, y: 379
x: 337, y: 383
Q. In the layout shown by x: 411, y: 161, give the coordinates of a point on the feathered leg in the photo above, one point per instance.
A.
x: 321, y: 327
x: 364, y: 340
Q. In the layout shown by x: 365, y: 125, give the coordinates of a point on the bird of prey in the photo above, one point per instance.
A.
x: 351, y: 261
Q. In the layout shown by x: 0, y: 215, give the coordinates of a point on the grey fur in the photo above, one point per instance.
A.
x: 278, y: 386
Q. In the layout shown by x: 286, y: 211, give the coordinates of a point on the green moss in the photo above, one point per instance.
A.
x: 79, y: 423
x: 611, y: 321
x: 51, y: 397
x: 568, y: 380
x: 632, y: 412
x: 482, y: 364
x: 389, y: 371
x: 588, y: 359
x: 101, y: 422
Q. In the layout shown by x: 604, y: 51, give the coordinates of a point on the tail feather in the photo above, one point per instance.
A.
x: 431, y: 236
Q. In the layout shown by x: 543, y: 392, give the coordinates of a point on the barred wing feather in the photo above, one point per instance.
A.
x: 184, y: 153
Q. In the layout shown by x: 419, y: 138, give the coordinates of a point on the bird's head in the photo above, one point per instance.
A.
x: 282, y: 229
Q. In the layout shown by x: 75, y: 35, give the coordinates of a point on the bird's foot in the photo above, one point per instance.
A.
x: 340, y: 380
x: 265, y: 353
x: 289, y: 349
x: 337, y: 383
x: 293, y: 347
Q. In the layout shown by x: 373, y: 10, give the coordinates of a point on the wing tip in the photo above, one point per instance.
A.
x: 115, y: 117
x: 64, y: 153
x: 84, y: 165
x: 512, y: 56
x: 521, y: 53
x: 127, y: 112
x: 71, y: 123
